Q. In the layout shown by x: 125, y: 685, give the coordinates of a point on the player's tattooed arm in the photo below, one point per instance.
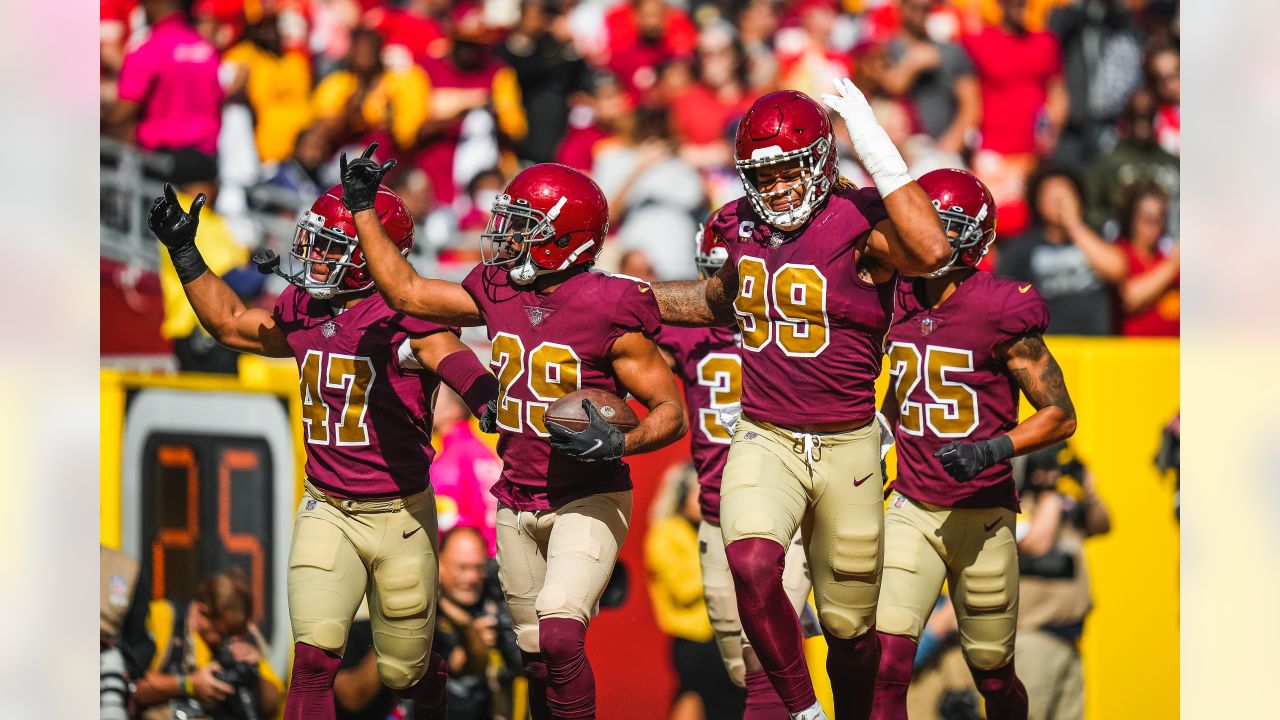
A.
x: 699, y: 303
x: 1037, y: 373
x: 643, y: 371
x: 403, y: 288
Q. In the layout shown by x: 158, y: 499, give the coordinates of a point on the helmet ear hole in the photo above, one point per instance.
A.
x: 562, y: 241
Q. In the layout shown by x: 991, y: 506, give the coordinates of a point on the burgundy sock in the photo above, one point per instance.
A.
x: 429, y: 693
x: 571, y: 686
x: 897, y: 655
x: 763, y: 702
x: 852, y: 664
x: 535, y: 673
x: 769, y: 620
x: 1003, y: 692
x: 310, y: 694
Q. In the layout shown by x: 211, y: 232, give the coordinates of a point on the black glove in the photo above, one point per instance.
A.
x: 489, y: 418
x: 361, y: 178
x: 598, y: 442
x: 176, y: 230
x: 963, y: 461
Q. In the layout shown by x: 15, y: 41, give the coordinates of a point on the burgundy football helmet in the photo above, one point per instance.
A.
x: 780, y: 129
x: 325, y: 258
x: 968, y: 214
x: 550, y: 218
x: 709, y: 252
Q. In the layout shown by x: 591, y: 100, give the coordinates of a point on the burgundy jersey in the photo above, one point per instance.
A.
x: 811, y: 328
x: 950, y: 383
x: 546, y: 346
x: 366, y: 420
x: 708, y: 362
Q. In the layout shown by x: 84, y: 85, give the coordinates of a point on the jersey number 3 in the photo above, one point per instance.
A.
x: 953, y: 410
x: 722, y: 374
x: 352, y: 375
x: 551, y: 371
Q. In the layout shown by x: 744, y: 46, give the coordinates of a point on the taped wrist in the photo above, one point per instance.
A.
x: 463, y: 372
x: 878, y: 155
x: 188, y: 262
x: 999, y: 449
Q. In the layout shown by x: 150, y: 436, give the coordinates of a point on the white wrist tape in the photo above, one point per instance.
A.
x: 871, y: 144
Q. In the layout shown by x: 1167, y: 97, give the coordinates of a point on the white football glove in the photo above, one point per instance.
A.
x: 871, y: 143
x: 886, y: 435
x: 729, y: 415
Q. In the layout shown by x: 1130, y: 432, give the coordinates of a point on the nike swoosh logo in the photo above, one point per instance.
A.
x: 593, y: 448
x: 644, y: 288
x: 864, y: 478
x: 1024, y: 289
x: 406, y: 535
x: 994, y: 523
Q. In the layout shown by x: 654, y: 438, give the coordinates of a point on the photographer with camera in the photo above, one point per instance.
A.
x: 1060, y: 509
x: 473, y: 630
x: 209, y: 657
x: 123, y: 642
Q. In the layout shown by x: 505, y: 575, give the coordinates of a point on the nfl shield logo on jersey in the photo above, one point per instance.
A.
x: 329, y: 329
x: 536, y: 314
x: 927, y: 325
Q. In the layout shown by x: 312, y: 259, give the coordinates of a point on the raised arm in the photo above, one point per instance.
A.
x: 912, y: 240
x: 403, y: 288
x: 699, y: 303
x: 221, y: 312
x: 1038, y: 376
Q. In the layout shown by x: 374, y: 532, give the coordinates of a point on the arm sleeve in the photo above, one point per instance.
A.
x: 636, y: 310
x: 1024, y: 313
x: 463, y: 372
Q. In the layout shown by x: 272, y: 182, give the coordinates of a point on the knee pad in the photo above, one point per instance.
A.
x: 848, y: 609
x: 401, y: 586
x: 327, y: 634
x: 897, y: 621
x: 553, y: 600
x: 755, y: 561
x: 987, y: 642
x: 399, y: 675
x: 314, y: 668
x: 561, y: 639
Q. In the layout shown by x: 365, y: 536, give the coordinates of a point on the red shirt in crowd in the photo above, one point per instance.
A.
x: 700, y: 116
x: 1014, y: 70
x: 1162, y: 318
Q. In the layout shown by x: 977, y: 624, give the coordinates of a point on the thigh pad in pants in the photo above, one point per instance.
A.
x: 326, y: 580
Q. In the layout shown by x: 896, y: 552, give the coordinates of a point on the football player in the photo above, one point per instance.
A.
x: 963, y: 343
x: 708, y: 361
x: 564, y: 497
x: 366, y: 524
x: 809, y: 280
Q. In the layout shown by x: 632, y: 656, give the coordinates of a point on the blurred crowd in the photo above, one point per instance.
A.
x: 1068, y: 110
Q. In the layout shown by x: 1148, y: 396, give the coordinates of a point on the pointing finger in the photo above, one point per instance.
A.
x: 386, y: 166
x: 169, y: 194
x: 342, y: 164
x: 196, y: 205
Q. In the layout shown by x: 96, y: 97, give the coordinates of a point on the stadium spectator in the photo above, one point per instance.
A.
x: 365, y: 100
x: 705, y: 113
x: 938, y: 77
x: 1163, y: 67
x: 463, y: 471
x: 168, y: 97
x: 1149, y: 297
x: 597, y: 120
x: 358, y: 692
x: 1103, y: 62
x: 549, y: 69
x: 675, y: 589
x: 1060, y: 508
x: 1072, y: 267
x: 1024, y: 99
x: 198, y: 638
x: 806, y: 60
x: 412, y: 30
x: 195, y: 173
x: 307, y: 172
x: 1136, y: 157
x: 655, y: 198
x: 476, y: 107
x: 756, y: 22
x: 472, y: 629
x: 634, y: 263
x: 277, y: 85
x: 643, y: 36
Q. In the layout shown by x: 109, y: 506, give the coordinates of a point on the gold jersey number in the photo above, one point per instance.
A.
x: 722, y: 373
x: 799, y: 295
x: 952, y: 410
x: 351, y: 374
x: 551, y: 370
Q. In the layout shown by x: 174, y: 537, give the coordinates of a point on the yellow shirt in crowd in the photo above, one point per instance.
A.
x: 675, y: 579
x: 278, y: 91
x: 221, y: 253
x: 398, y: 101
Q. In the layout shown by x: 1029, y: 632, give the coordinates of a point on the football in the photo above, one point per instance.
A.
x: 567, y: 411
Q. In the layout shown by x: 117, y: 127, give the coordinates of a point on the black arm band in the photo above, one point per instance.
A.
x: 188, y: 262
